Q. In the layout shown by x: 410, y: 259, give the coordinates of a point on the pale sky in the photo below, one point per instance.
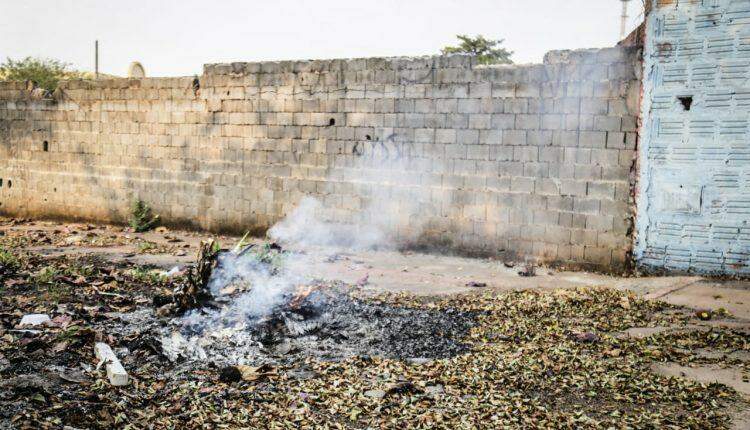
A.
x: 176, y: 37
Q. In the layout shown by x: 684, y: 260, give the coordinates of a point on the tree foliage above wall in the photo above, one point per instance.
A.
x: 46, y: 73
x: 487, y: 51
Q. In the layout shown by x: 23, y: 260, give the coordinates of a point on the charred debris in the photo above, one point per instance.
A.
x: 219, y: 316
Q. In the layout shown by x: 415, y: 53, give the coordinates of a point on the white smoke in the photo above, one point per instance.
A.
x: 389, y: 201
x: 305, y: 227
x: 381, y: 201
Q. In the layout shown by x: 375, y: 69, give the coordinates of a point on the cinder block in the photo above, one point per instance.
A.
x: 551, y: 122
x: 492, y: 105
x: 570, y: 187
x: 539, y: 138
x: 516, y: 106
x: 503, y: 90
x: 501, y: 153
x: 510, y: 168
x: 528, y: 90
x: 616, y: 140
x: 551, y: 154
x: 600, y: 223
x: 603, y: 190
x: 446, y: 105
x: 503, y: 121
x: 547, y: 187
x: 437, y: 120
x: 445, y: 136
x: 424, y: 135
x: 588, y: 172
x: 593, y: 139
x: 577, y: 155
x: 527, y: 122
x: 480, y: 121
x: 525, y: 153
x: 480, y: 152
x: 583, y: 237
x: 607, y: 123
x: 467, y: 137
x: 480, y: 89
x: 468, y: 106
x: 424, y: 106
x: 605, y: 157
x: 404, y: 105
x: 456, y: 151
x: 514, y: 137
x: 490, y: 137
x: 559, y: 203
x: 594, y: 106
x: 557, y: 235
x: 601, y: 256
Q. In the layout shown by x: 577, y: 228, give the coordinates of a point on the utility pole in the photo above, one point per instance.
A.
x: 624, y: 18
x: 96, y: 59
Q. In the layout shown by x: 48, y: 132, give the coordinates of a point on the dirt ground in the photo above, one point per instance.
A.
x: 553, y: 350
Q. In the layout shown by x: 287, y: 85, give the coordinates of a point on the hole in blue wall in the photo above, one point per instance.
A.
x: 686, y: 101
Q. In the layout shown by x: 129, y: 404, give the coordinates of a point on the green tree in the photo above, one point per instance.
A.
x: 46, y: 73
x: 487, y: 51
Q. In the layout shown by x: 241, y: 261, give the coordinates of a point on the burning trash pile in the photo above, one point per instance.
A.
x: 259, y: 306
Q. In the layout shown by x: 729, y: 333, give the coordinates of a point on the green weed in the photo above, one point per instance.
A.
x: 141, y: 217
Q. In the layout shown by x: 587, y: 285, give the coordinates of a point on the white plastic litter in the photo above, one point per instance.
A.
x: 32, y: 320
x: 115, y: 372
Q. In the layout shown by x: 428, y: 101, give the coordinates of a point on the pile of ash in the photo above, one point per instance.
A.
x: 263, y: 312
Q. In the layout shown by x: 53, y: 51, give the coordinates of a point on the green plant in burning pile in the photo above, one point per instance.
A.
x: 269, y: 255
x: 147, y: 276
x: 264, y: 254
x: 141, y: 217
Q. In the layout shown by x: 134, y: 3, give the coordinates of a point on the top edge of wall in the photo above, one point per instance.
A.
x: 661, y: 4
x: 458, y: 61
x: 650, y: 5
x: 618, y: 54
x: 108, y: 83
x: 455, y: 61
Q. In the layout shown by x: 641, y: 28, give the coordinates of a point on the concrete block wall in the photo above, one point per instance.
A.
x: 694, y: 192
x: 531, y: 160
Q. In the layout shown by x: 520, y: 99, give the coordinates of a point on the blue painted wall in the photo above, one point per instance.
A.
x: 694, y: 156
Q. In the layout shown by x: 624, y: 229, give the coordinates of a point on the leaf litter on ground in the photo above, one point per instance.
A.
x: 533, y: 359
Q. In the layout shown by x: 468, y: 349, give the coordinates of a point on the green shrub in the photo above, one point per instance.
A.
x: 46, y: 73
x: 141, y: 217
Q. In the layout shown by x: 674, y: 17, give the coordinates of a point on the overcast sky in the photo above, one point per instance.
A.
x: 176, y: 37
